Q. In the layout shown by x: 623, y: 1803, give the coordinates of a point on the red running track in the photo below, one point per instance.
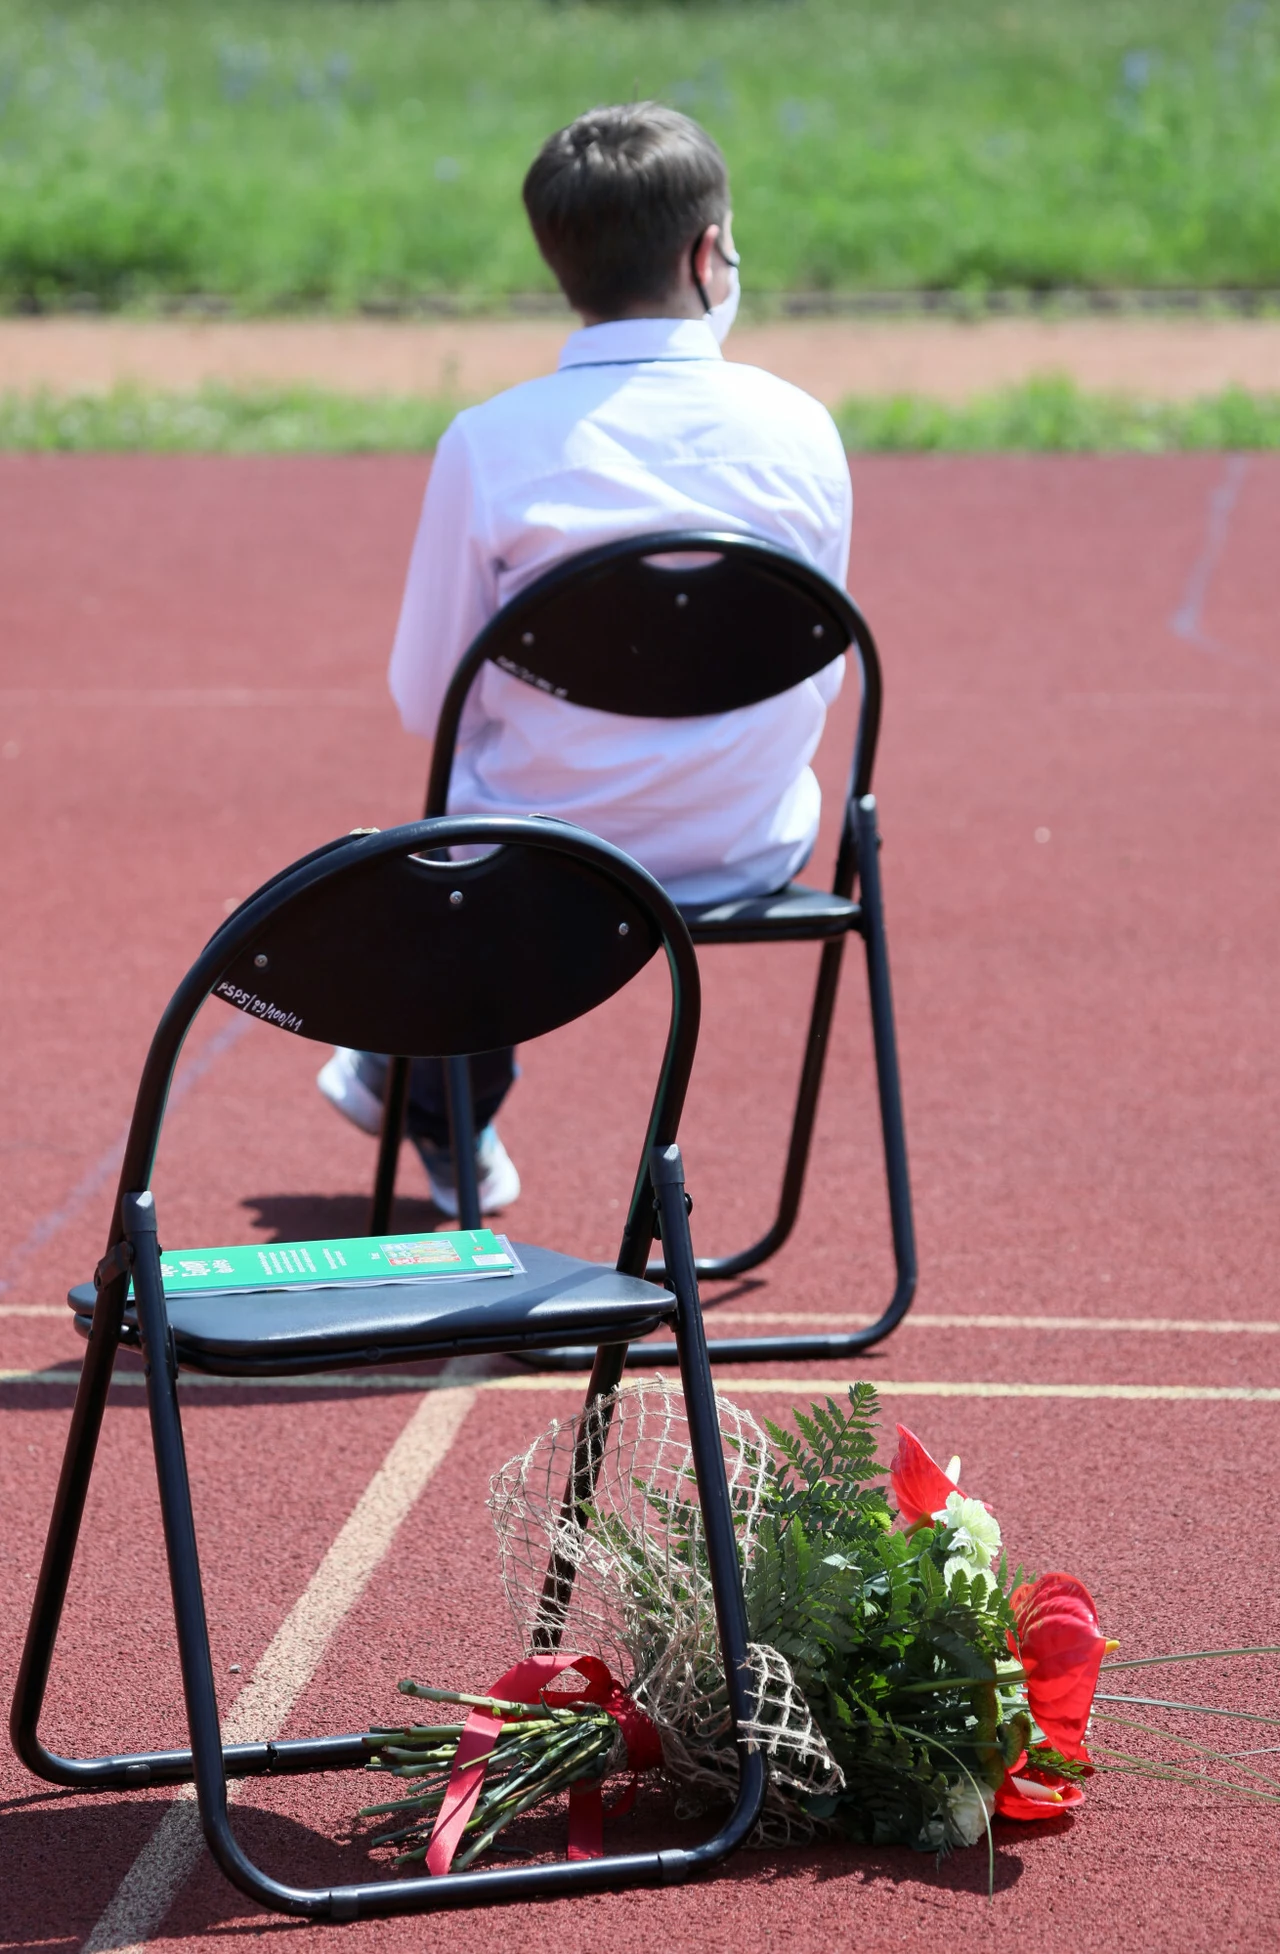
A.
x: 1077, y: 650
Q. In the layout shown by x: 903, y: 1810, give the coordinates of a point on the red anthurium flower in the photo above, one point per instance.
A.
x: 920, y: 1486
x: 1032, y: 1795
x: 1060, y: 1647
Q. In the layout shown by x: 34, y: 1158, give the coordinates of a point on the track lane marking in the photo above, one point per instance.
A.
x: 576, y: 1381
x: 129, y: 697
x: 1149, y: 1325
x: 1187, y: 622
x: 945, y: 1388
x: 291, y: 1658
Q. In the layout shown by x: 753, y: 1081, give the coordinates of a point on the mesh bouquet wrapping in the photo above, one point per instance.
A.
x: 908, y: 1684
x: 641, y: 1596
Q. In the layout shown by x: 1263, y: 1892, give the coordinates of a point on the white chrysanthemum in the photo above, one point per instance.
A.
x: 970, y: 1807
x: 975, y: 1533
x: 972, y: 1571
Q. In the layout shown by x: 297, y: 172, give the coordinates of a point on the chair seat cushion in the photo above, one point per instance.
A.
x: 795, y: 912
x: 265, y: 1332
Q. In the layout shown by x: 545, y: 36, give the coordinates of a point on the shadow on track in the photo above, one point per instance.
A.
x: 897, y: 1866
x: 101, y: 1838
x: 333, y: 1217
x: 321, y: 1217
x: 64, y: 1857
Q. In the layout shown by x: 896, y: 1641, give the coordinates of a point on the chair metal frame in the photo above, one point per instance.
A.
x: 857, y: 865
x: 133, y: 1251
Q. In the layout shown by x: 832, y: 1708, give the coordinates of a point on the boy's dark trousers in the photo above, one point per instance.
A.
x: 492, y: 1076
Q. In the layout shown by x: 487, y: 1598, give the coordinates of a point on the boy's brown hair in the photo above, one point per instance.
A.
x: 615, y: 198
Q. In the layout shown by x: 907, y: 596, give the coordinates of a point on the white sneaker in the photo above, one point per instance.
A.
x: 496, y: 1171
x: 340, y: 1082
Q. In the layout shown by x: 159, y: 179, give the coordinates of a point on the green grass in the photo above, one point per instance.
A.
x: 1043, y: 416
x: 221, y: 421
x: 1053, y: 416
x: 337, y: 153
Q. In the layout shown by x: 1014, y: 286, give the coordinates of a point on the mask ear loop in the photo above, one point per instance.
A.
x: 731, y: 258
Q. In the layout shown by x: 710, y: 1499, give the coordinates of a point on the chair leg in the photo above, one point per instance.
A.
x: 722, y: 1267
x: 713, y: 1492
x: 888, y: 1076
x: 462, y: 1128
x: 368, y: 1899
x: 892, y: 1128
x: 207, y: 1761
x: 557, y: 1587
x: 713, y: 1488
x: 893, y: 1132
x: 395, y: 1107
x: 462, y: 1134
x: 184, y: 1569
x: 129, y: 1769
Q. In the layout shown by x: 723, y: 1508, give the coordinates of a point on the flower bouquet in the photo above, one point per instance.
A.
x: 908, y: 1685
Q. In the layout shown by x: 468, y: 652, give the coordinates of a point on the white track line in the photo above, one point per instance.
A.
x: 198, y: 697
x: 919, y: 1320
x: 260, y: 1711
x: 1256, y: 1326
x: 918, y: 1388
x: 576, y: 1381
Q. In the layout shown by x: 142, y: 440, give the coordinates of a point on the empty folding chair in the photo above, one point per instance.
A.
x: 368, y: 942
x: 673, y: 626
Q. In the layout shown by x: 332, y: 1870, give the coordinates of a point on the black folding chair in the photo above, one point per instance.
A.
x: 368, y: 943
x: 672, y: 626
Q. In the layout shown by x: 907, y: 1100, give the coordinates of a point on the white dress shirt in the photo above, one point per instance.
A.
x: 645, y: 426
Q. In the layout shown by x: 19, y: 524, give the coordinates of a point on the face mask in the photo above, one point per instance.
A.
x: 721, y: 317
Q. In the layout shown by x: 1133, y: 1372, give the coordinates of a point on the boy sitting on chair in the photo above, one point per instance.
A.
x: 643, y: 427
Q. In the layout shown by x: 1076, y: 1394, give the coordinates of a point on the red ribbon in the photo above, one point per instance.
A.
x: 525, y: 1683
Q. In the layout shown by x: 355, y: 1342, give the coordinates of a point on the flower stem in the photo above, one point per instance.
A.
x: 1131, y: 1765
x: 495, y: 1704
x: 1202, y: 1750
x: 1196, y: 1709
x: 956, y: 1682
x: 1192, y: 1655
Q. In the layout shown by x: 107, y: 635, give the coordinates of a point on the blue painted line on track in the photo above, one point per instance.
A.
x: 108, y: 1163
x: 1187, y: 621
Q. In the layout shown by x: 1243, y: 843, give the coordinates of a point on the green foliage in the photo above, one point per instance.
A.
x: 1043, y: 416
x: 896, y: 1653
x: 334, y: 153
x: 1046, y: 1758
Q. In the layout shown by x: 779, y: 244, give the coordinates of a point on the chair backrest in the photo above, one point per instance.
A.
x: 382, y: 942
x: 670, y: 626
